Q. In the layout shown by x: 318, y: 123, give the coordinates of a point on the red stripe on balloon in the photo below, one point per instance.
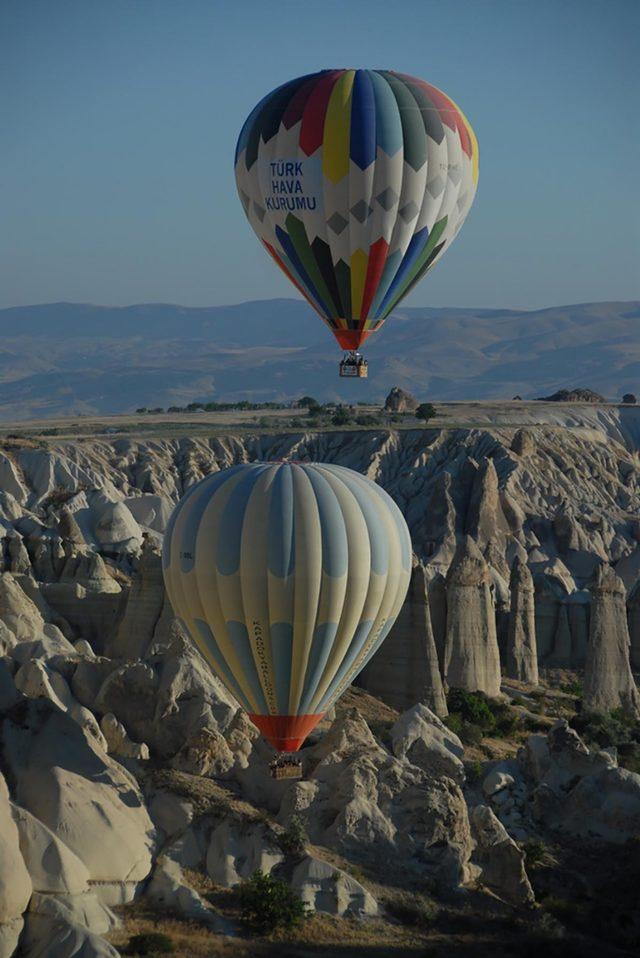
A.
x: 377, y: 258
x: 295, y: 109
x: 291, y: 277
x: 286, y: 732
x: 449, y: 114
x: 351, y: 338
x: 312, y: 130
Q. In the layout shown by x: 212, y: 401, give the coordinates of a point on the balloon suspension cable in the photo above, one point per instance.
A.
x: 353, y: 365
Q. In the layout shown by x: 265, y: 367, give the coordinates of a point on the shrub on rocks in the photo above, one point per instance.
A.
x: 268, y: 903
x: 294, y: 839
x: 534, y: 852
x: 473, y: 715
x: 472, y: 707
x: 616, y: 729
x: 412, y: 911
x: 150, y: 943
x: 605, y: 730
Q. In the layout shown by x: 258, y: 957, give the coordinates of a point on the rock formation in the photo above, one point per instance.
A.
x: 472, y: 659
x: 522, y: 656
x: 523, y: 443
x: 360, y: 800
x: 500, y: 859
x: 88, y: 801
x: 390, y: 801
x: 580, y: 791
x: 438, y: 532
x: 118, y: 742
x: 68, y: 528
x: 634, y: 627
x: 17, y: 559
x: 573, y: 395
x: 141, y: 615
x: 549, y: 595
x: 485, y: 522
x: 425, y: 741
x: 116, y: 530
x: 510, y: 489
x: 399, y: 400
x: 15, y: 881
x: 608, y: 682
x: 560, y: 656
x: 87, y: 637
x: 406, y: 669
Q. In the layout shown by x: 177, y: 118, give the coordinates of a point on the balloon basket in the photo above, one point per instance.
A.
x: 286, y: 767
x: 354, y: 366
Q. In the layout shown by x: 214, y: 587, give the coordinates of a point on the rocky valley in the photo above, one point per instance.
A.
x: 477, y: 792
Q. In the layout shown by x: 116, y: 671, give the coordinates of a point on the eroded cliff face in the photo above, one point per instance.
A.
x: 560, y: 500
x: 515, y: 537
x: 571, y: 493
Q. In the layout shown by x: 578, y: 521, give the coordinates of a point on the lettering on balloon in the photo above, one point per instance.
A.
x: 286, y: 187
x: 264, y: 666
x: 449, y: 168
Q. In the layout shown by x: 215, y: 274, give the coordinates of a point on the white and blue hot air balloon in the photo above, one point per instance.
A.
x: 288, y: 577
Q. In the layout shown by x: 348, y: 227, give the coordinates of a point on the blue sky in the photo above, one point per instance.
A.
x: 118, y: 122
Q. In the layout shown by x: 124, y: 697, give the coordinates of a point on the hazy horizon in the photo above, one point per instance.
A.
x: 65, y: 357
x: 298, y: 299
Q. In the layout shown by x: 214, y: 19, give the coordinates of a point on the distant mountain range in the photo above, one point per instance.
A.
x: 70, y: 358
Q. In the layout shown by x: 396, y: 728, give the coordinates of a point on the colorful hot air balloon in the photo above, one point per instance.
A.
x: 356, y: 181
x: 287, y: 577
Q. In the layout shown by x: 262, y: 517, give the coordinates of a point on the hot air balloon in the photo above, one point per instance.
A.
x: 356, y: 181
x: 287, y: 576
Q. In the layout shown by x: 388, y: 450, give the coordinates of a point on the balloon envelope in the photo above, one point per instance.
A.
x: 356, y: 181
x: 287, y: 577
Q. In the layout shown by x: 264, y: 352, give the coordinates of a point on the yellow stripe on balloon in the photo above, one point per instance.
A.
x: 359, y: 261
x: 255, y: 585
x: 474, y: 144
x: 308, y: 573
x: 209, y: 582
x: 337, y: 129
x: 359, y: 556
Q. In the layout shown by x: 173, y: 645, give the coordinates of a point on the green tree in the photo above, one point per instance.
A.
x: 294, y: 839
x: 308, y: 402
x: 341, y: 417
x: 472, y: 707
x: 425, y: 411
x: 268, y: 903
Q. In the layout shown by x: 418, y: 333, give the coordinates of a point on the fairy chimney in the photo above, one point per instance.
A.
x: 522, y: 655
x: 608, y: 681
x: 471, y: 657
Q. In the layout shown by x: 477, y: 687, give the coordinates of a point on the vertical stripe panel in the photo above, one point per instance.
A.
x: 208, y: 589
x: 357, y: 578
x: 308, y: 577
x: 337, y: 128
x: 358, y: 276
x: 254, y: 546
